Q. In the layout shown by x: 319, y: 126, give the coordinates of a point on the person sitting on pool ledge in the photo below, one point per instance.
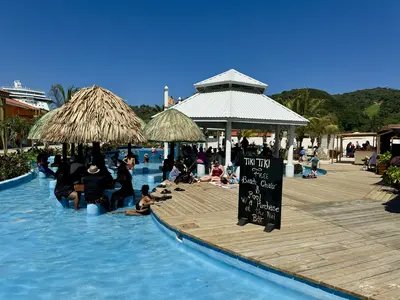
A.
x: 215, y: 175
x: 94, y: 186
x: 126, y: 190
x: 143, y: 206
x: 64, y: 187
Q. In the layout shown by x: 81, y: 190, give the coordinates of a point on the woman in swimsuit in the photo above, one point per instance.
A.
x: 215, y: 175
x: 130, y: 161
x: 143, y: 207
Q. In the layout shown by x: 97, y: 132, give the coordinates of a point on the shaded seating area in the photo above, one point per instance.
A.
x: 94, y: 115
x: 232, y: 100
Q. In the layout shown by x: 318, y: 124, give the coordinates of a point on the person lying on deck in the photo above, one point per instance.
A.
x: 143, y: 206
x: 215, y: 175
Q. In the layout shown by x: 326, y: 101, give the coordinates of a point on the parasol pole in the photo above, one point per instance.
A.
x: 165, y: 108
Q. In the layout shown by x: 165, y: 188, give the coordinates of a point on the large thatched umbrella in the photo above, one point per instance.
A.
x: 95, y: 115
x: 173, y: 126
x: 40, y: 126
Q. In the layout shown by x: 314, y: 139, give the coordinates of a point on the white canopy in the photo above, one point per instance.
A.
x: 236, y: 97
x: 235, y: 100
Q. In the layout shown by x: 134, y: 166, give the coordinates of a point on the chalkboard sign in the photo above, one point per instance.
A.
x: 260, y: 191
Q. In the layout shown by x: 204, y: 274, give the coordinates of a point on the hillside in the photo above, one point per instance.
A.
x: 362, y: 110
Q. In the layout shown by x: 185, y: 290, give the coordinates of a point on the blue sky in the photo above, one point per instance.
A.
x: 135, y: 48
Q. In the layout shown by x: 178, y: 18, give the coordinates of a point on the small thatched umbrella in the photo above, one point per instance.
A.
x: 173, y: 126
x: 95, y: 115
x: 40, y: 126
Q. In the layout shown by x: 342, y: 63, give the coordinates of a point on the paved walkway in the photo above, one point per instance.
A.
x: 335, y: 229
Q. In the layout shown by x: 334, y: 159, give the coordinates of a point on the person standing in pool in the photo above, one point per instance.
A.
x: 315, y: 163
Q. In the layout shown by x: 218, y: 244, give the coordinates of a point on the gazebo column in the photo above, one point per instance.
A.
x: 289, y: 165
x: 80, y: 151
x: 228, y: 142
x: 218, y: 137
x: 277, y: 141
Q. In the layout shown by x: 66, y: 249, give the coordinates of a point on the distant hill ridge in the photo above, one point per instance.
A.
x: 361, y: 110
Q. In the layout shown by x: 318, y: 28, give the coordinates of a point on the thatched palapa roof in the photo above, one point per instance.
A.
x: 40, y: 126
x: 173, y: 126
x: 95, y: 114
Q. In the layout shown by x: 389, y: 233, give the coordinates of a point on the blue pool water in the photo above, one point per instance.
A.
x: 53, y: 253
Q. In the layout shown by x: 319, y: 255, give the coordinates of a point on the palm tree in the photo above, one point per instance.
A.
x: 58, y: 95
x: 159, y: 108
x: 314, y: 110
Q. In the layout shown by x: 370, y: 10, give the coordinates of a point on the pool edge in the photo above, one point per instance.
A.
x: 326, y: 287
x: 13, y: 182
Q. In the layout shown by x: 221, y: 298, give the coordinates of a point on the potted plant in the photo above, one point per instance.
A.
x: 392, y: 176
x: 384, y: 161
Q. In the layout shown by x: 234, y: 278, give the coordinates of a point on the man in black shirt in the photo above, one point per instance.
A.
x: 94, y: 187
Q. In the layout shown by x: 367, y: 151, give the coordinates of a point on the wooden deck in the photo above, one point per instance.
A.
x: 335, y: 229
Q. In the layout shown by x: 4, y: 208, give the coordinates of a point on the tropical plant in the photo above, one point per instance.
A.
x: 58, y: 95
x: 314, y: 109
x: 385, y: 158
x: 13, y: 165
x: 392, y: 176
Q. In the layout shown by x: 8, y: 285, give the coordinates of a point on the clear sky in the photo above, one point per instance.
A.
x: 135, y: 48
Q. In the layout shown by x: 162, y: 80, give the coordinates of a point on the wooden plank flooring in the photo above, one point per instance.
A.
x: 335, y: 229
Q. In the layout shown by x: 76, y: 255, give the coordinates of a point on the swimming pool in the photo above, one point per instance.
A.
x: 50, y: 253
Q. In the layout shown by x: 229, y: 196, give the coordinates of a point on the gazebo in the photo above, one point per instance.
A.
x: 232, y: 100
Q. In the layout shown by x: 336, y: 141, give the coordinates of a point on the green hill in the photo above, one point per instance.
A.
x: 361, y: 110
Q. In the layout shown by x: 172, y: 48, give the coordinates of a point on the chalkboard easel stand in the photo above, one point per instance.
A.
x: 269, y: 227
x: 243, y: 221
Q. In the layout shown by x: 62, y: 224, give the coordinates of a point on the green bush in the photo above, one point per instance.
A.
x: 385, y: 158
x: 392, y: 176
x: 298, y: 169
x: 13, y: 165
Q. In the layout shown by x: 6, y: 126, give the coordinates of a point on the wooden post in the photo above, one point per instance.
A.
x: 72, y: 149
x: 64, y: 151
x: 80, y: 151
x: 172, y: 151
x: 341, y: 148
x: 129, y: 148
x: 3, y: 117
x: 96, y: 148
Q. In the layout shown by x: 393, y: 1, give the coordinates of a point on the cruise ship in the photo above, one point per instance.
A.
x: 28, y: 96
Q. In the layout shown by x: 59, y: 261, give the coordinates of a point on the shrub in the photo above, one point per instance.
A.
x: 392, y: 176
x: 13, y: 165
x: 385, y: 158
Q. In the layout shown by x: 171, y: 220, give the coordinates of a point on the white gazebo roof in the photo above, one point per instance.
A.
x: 246, y: 106
x: 231, y: 77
